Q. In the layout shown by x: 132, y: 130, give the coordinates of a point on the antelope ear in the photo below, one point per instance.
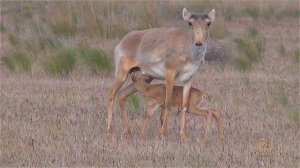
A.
x: 186, y: 15
x: 211, y: 15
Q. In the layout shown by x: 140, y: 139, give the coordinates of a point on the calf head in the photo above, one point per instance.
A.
x: 138, y: 76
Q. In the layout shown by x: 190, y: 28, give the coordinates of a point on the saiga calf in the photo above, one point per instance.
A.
x: 156, y: 93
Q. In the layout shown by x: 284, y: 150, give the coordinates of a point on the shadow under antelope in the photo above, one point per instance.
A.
x: 170, y: 54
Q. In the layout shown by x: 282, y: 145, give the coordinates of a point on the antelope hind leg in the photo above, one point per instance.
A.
x: 124, y: 94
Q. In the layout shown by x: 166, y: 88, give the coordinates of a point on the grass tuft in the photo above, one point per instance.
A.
x: 282, y: 50
x: 95, y: 59
x: 2, y: 28
x: 296, y: 56
x: 134, y: 103
x: 62, y: 63
x: 22, y: 61
x: 17, y: 60
x: 253, y: 12
x: 9, y: 62
x: 296, y: 117
x: 251, y: 46
x: 64, y: 28
x: 14, y: 40
x: 242, y: 64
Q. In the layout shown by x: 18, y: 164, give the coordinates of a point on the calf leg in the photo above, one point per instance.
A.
x: 149, y: 114
x: 209, y: 113
x: 218, y: 117
x: 204, y: 112
x: 207, y: 125
x: 124, y: 94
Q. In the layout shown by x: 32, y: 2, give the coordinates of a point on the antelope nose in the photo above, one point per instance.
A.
x: 198, y: 44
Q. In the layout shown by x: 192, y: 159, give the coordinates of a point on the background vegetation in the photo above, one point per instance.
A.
x: 56, y: 65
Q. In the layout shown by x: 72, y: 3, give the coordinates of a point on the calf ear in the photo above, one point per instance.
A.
x: 211, y: 15
x: 186, y: 15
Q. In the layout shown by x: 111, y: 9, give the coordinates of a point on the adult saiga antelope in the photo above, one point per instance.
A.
x: 164, y: 53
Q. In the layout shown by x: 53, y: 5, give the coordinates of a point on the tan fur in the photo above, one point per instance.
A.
x: 164, y: 53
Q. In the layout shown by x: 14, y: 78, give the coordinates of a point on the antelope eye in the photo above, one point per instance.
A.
x: 208, y: 24
x: 190, y: 23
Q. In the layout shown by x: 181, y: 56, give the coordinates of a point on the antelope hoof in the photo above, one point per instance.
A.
x: 109, y: 131
x: 142, y: 136
x: 221, y: 138
x: 127, y: 133
x: 184, y: 137
x: 163, y: 135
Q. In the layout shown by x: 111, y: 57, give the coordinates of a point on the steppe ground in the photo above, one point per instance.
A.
x: 49, y: 120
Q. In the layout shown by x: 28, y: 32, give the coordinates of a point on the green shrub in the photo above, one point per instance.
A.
x: 242, y: 64
x: 95, y: 59
x: 13, y: 39
x: 2, y: 28
x: 282, y: 50
x: 17, y: 60
x: 297, y: 56
x: 9, y: 62
x: 251, y: 46
x: 22, y: 61
x: 296, y: 117
x: 253, y: 12
x: 51, y: 42
x: 65, y: 60
x: 62, y: 63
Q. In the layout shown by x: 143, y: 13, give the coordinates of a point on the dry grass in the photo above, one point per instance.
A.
x: 66, y: 126
x: 60, y: 121
x: 218, y: 30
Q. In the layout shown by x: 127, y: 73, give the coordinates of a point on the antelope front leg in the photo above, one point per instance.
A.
x: 185, y: 103
x: 170, y: 75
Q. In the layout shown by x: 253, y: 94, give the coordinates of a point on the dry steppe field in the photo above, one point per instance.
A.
x: 56, y: 67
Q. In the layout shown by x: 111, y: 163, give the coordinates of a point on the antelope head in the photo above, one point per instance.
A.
x: 199, y: 24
